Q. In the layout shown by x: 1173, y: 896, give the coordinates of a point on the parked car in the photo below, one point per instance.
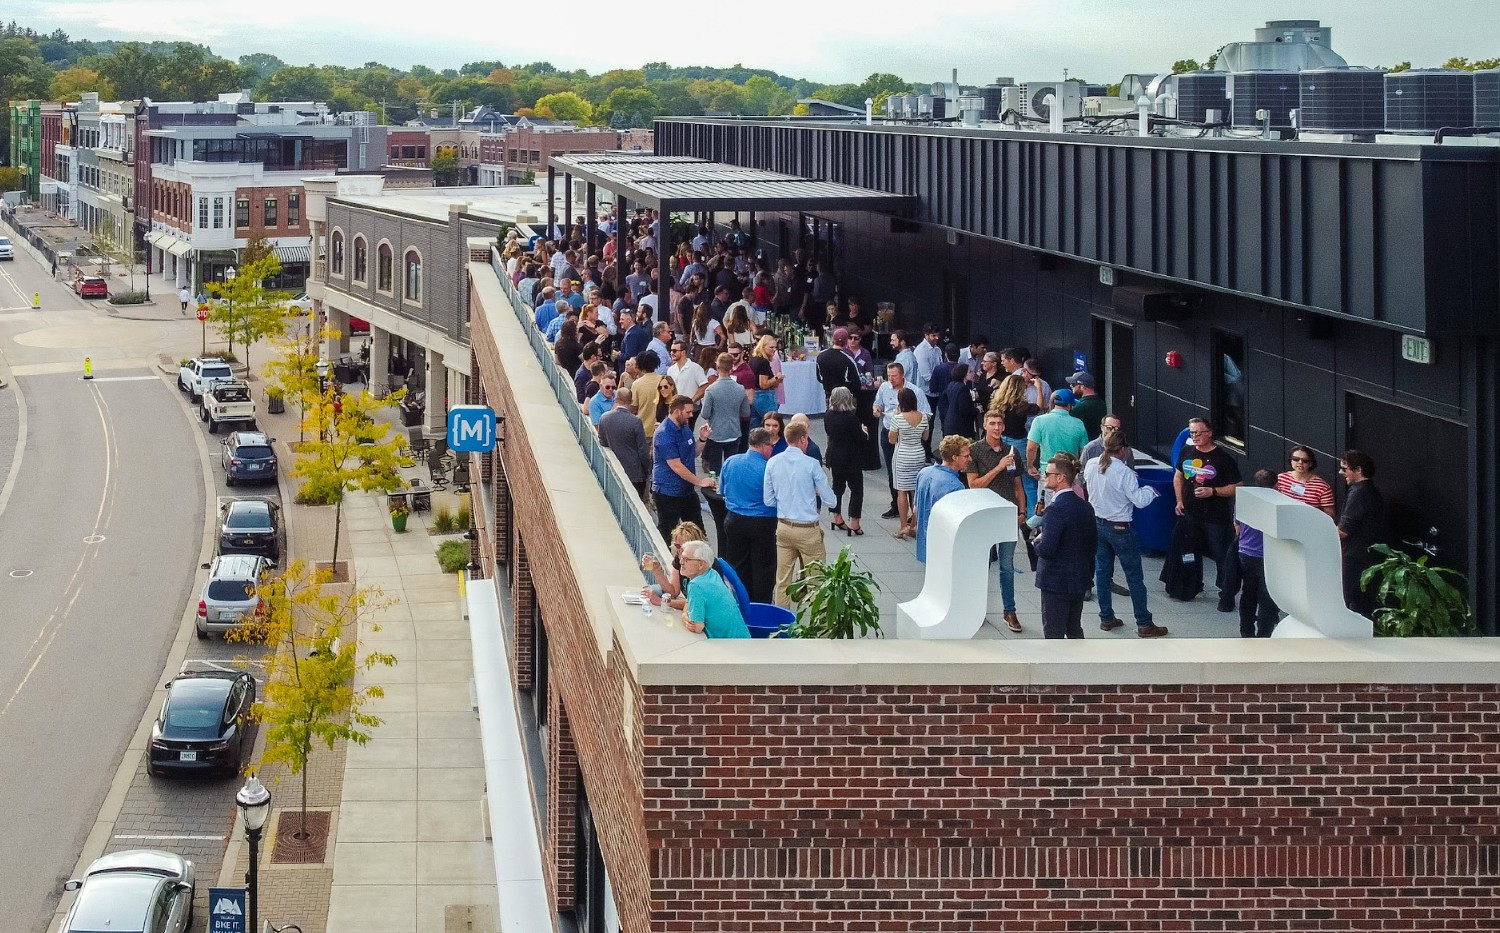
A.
x: 7, y: 251
x: 231, y: 596
x: 136, y: 889
x: 250, y: 526
x: 198, y: 376
x: 90, y: 286
x: 227, y: 403
x: 247, y: 455
x: 204, y: 724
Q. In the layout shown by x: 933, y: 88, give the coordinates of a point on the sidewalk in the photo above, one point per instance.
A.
x: 408, y: 846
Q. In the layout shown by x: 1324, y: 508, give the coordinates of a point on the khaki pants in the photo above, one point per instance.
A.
x: 793, y: 545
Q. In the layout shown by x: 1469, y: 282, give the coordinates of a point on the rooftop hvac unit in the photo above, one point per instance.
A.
x: 1040, y: 97
x: 1425, y: 101
x: 993, y: 96
x: 1107, y: 107
x: 970, y: 106
x: 1277, y: 92
x: 1012, y: 98
x: 1487, y: 97
x: 1199, y: 92
x: 1342, y: 100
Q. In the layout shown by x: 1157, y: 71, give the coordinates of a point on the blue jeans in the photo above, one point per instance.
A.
x: 1006, y: 559
x: 1117, y: 540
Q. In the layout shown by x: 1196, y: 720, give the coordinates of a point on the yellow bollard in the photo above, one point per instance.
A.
x: 88, y: 368
x: 36, y: 301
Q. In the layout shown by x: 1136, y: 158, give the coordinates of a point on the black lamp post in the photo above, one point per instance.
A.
x: 322, y: 368
x: 255, y: 806
x: 229, y: 275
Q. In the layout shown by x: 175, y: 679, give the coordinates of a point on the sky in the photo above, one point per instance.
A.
x: 834, y: 41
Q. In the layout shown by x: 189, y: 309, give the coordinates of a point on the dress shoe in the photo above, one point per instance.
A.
x: 1109, y: 625
x: 1151, y: 631
x: 889, y: 513
x: 1226, y: 605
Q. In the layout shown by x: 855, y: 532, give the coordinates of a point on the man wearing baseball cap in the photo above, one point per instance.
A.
x: 1089, y: 408
x: 1055, y: 432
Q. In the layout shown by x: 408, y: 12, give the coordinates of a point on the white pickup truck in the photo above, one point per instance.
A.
x: 227, y: 402
x: 198, y: 376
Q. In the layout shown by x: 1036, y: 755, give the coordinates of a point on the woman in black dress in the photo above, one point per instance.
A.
x: 847, y: 439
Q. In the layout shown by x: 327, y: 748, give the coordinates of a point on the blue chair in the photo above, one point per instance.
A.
x: 763, y: 619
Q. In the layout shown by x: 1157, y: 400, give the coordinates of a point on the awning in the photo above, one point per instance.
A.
x: 179, y: 248
x: 289, y: 254
x: 158, y: 240
x: 685, y: 183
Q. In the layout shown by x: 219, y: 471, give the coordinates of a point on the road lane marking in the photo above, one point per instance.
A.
x: 126, y: 379
x: 187, y: 836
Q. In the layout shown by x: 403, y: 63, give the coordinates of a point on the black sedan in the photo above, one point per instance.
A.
x: 204, y: 724
x: 250, y: 526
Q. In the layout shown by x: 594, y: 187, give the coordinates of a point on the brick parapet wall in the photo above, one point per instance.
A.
x: 1264, y: 808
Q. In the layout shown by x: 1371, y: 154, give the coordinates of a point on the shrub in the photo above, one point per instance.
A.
x: 461, y: 520
x: 224, y: 355
x: 453, y: 556
x: 315, y: 493
x: 442, y: 520
x: 128, y: 298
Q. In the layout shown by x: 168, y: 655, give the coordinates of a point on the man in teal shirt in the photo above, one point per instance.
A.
x: 1055, y: 432
x: 711, y: 607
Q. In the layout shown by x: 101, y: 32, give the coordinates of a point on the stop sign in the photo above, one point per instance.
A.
x: 202, y: 313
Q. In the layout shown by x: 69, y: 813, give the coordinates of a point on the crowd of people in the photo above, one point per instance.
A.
x: 689, y: 400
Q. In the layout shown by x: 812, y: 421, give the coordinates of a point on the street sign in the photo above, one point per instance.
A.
x: 1080, y: 361
x: 471, y: 429
x: 226, y: 910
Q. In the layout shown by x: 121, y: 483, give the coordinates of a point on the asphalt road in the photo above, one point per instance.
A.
x: 99, y: 543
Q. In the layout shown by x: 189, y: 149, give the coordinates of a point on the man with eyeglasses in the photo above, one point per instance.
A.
x: 687, y: 376
x: 1362, y: 525
x: 1204, y: 482
x: 1065, y: 548
x: 1109, y: 424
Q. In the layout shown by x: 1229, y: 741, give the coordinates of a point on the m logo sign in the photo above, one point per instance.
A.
x: 471, y: 429
x: 226, y: 910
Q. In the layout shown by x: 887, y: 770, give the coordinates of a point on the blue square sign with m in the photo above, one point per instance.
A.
x: 471, y: 429
x: 226, y: 910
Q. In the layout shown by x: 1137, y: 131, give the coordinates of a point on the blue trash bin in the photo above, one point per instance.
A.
x: 1153, y: 524
x: 765, y: 619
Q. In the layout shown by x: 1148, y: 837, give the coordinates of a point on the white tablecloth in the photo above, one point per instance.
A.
x: 804, y: 393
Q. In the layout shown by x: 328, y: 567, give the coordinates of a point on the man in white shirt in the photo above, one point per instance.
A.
x: 885, y: 409
x: 929, y: 356
x: 796, y: 487
x: 1115, y: 493
x: 688, y: 376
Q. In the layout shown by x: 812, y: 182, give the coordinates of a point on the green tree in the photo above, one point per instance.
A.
x: 849, y: 95
x: 675, y: 100
x: 134, y: 71
x: 309, y: 694
x: 192, y: 72
x: 11, y: 179
x: 249, y: 311
x: 881, y: 82
x: 1400, y: 66
x: 294, y: 369
x: 565, y: 105
x: 70, y: 83
x: 258, y: 66
x: 295, y: 82
x: 598, y: 91
x: 445, y: 169
x: 718, y: 95
x: 352, y: 451
x: 629, y: 106
x: 1184, y: 65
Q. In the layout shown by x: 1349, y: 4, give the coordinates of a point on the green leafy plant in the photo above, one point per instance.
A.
x: 453, y: 556
x: 1413, y: 599
x: 128, y: 298
x: 442, y: 520
x: 834, y: 599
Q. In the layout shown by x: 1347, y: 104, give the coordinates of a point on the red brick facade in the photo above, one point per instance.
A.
x: 952, y: 809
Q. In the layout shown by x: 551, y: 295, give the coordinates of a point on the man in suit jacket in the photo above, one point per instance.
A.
x: 836, y: 367
x: 1065, y: 548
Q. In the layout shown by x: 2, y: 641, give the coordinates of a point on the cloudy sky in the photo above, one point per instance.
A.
x: 833, y: 41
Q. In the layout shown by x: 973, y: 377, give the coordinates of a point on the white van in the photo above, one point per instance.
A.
x: 7, y: 252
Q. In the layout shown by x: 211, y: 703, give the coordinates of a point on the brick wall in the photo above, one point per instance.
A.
x: 1264, y: 808
x: 257, y: 197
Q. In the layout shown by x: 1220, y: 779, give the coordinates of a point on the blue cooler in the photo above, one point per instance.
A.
x: 1153, y: 524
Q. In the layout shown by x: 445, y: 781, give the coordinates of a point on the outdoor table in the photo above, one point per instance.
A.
x: 804, y: 393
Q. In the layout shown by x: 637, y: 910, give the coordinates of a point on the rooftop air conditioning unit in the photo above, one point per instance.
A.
x: 1040, y: 97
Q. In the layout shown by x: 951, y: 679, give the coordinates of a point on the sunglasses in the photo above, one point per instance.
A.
x: 1196, y: 433
x: 1301, y: 460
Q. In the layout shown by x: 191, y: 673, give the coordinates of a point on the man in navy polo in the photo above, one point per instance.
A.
x: 674, y: 485
x: 750, y: 529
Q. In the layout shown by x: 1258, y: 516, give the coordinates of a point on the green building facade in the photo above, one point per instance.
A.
x: 26, y: 144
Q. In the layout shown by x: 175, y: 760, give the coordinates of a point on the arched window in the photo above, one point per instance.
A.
x: 412, y: 289
x: 336, y: 247
x: 383, y: 268
x: 361, y: 259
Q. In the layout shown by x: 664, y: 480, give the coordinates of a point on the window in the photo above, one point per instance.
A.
x: 1229, y: 389
x: 536, y: 157
x: 203, y: 213
x: 242, y: 212
x: 395, y: 152
x: 293, y: 210
x: 361, y: 259
x: 412, y: 289
x: 218, y: 213
x: 336, y: 247
x: 270, y: 212
x: 383, y: 268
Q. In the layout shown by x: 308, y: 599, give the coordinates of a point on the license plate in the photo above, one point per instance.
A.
x: 256, y: 467
x: 189, y: 756
x: 249, y: 540
x: 229, y: 617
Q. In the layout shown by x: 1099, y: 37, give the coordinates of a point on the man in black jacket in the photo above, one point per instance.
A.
x: 836, y: 367
x: 1065, y: 550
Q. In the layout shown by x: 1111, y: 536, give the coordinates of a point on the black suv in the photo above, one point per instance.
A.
x: 247, y: 456
x: 204, y: 724
x: 250, y: 526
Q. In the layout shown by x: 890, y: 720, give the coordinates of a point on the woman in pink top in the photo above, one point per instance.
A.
x: 1302, y: 484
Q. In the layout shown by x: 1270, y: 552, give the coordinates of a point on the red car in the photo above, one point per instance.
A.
x: 91, y: 286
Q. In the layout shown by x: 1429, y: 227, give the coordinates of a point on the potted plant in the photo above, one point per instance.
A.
x: 834, y: 599
x: 1413, y: 599
x: 275, y: 400
x: 399, y: 510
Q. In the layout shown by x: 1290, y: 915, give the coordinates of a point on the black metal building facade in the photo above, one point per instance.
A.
x: 1319, y: 294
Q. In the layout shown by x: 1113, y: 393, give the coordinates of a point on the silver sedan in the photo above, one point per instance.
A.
x: 138, y: 889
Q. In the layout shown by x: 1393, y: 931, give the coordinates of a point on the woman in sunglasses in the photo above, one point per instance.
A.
x: 1302, y: 484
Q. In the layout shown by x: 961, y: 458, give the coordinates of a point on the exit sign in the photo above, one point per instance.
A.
x: 1416, y: 349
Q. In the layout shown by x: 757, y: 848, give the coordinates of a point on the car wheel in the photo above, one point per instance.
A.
x: 181, y: 386
x: 202, y: 633
x: 228, y: 480
x: 213, y: 426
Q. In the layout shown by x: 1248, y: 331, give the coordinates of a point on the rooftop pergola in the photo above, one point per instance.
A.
x: 684, y: 183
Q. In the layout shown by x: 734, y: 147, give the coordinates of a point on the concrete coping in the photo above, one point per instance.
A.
x: 604, y: 569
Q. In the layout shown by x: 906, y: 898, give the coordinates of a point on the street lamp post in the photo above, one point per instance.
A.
x: 229, y: 293
x: 255, y: 806
x: 322, y: 368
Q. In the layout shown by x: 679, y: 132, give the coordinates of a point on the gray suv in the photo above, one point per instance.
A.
x: 229, y: 597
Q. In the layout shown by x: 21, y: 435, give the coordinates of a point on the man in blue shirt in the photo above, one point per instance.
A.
x: 750, y: 528
x: 674, y: 485
x: 546, y: 310
x: 711, y: 607
x: 796, y: 486
x: 936, y: 481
